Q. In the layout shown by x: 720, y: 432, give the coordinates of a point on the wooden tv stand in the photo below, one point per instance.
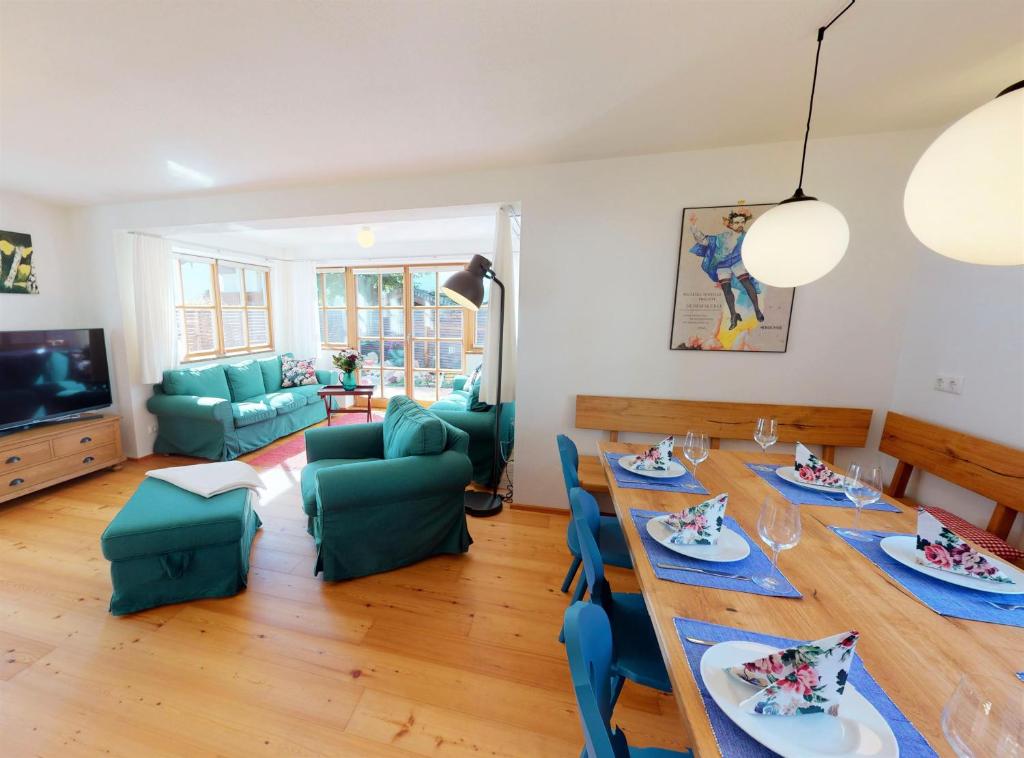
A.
x: 37, y: 458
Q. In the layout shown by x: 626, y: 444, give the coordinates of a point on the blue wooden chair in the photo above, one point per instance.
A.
x: 636, y: 654
x: 588, y: 645
x: 610, y: 538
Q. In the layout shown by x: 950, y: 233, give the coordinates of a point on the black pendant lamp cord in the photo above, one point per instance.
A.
x: 814, y: 83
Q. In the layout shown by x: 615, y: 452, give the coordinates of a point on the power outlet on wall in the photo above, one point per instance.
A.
x: 949, y: 383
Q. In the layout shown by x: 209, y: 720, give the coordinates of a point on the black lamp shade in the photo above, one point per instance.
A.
x: 466, y: 287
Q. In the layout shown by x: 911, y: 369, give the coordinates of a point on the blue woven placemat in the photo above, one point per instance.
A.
x: 942, y: 597
x: 803, y: 496
x: 683, y: 484
x: 733, y: 742
x: 755, y: 564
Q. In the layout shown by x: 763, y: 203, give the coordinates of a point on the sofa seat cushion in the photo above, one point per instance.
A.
x: 245, y: 380
x: 308, y: 479
x: 252, y: 411
x: 161, y: 518
x: 208, y: 381
x: 453, y: 402
x: 985, y: 540
x: 411, y: 430
x: 307, y: 392
x: 285, y: 401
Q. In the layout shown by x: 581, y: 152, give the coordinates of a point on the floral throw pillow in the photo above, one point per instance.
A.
x: 296, y: 372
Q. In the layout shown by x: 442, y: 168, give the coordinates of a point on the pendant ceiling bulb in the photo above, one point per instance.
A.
x: 802, y: 238
x: 365, y: 237
x: 965, y: 196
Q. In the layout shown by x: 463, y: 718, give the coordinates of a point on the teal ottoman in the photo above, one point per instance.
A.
x: 168, y: 545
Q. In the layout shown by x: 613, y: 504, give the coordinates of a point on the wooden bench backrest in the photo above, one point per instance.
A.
x: 992, y: 470
x: 813, y: 425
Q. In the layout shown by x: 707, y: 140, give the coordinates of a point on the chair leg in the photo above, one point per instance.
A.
x: 617, y: 683
x: 581, y: 587
x: 573, y: 568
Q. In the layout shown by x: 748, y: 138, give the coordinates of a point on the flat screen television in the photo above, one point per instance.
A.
x: 51, y: 375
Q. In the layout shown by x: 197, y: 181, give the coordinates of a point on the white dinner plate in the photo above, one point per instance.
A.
x: 903, y: 549
x: 730, y: 546
x: 858, y: 731
x: 790, y: 475
x: 674, y: 469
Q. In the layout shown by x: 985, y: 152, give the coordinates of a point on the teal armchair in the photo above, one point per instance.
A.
x: 387, y: 494
x: 464, y: 409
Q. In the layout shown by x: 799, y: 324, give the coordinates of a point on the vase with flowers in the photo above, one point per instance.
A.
x: 348, y: 361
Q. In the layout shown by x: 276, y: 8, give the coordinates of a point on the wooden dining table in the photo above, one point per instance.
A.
x: 916, y: 655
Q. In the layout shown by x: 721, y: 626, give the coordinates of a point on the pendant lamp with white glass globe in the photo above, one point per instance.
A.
x: 365, y: 237
x: 802, y: 238
x: 965, y: 196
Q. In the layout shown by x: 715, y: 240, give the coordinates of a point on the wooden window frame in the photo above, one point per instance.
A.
x: 218, y: 308
x: 323, y: 308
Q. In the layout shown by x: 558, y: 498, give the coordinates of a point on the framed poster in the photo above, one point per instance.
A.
x: 17, y: 272
x: 718, y: 305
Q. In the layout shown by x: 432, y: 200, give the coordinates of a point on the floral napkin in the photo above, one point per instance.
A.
x: 810, y: 469
x: 805, y: 679
x: 940, y: 548
x: 699, y: 525
x: 656, y: 458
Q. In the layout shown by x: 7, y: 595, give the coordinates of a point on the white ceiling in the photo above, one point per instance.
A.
x: 98, y: 96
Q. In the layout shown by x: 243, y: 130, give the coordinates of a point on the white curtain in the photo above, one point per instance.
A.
x: 504, y: 269
x: 297, y: 318
x: 152, y: 342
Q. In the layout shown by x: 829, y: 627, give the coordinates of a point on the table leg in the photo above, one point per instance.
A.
x: 369, y: 408
x: 327, y: 408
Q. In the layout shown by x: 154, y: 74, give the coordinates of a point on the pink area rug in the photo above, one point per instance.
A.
x: 291, y: 454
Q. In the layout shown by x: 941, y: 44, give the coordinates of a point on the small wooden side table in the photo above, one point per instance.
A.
x: 336, y: 390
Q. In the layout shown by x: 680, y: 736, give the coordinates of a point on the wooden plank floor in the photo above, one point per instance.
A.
x: 454, y: 656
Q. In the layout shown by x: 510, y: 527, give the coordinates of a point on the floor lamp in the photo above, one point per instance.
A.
x: 466, y: 288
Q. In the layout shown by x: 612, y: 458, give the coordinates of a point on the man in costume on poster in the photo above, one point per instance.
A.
x: 722, y: 260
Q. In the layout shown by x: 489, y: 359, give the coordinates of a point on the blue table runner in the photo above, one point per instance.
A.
x: 803, y: 496
x: 682, y: 484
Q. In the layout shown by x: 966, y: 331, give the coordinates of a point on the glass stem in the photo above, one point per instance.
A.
x: 856, y: 516
x: 775, y: 559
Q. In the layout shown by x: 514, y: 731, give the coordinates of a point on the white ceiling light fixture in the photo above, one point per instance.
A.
x: 965, y: 196
x: 802, y: 238
x: 366, y: 237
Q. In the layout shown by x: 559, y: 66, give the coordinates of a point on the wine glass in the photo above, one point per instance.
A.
x: 985, y: 717
x: 766, y: 434
x: 863, y: 486
x: 779, y: 528
x: 696, y: 449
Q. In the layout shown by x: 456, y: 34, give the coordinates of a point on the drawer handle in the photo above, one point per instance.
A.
x: 16, y: 482
x: 14, y: 459
x: 85, y: 440
x: 88, y: 459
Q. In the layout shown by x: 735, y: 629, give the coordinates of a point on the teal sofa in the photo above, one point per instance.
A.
x: 386, y: 494
x: 224, y: 410
x: 463, y: 409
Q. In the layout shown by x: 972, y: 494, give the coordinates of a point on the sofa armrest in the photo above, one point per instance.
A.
x: 458, y: 440
x: 214, y: 409
x: 327, y: 376
x: 350, y: 441
x: 373, y: 483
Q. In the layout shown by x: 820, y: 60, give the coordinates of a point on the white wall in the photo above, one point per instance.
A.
x: 597, y: 275
x: 968, y: 321
x: 63, y: 272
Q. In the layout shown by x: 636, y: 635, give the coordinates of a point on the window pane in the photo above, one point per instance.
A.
x: 370, y: 377
x: 337, y: 327
x: 394, y: 322
x: 424, y: 385
x: 230, y: 285
x: 234, y: 329
x: 369, y: 323
x: 394, y: 353
x: 200, y: 336
x: 334, y: 288
x: 394, y: 383
x: 320, y: 290
x: 424, y: 354
x: 371, y: 351
x: 481, y: 326
x: 393, y: 285
x: 423, y: 323
x: 450, y: 354
x: 450, y: 323
x: 447, y: 385
x: 197, y: 281
x: 258, y: 324
x: 255, y: 288
x: 424, y: 288
x: 367, y: 289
